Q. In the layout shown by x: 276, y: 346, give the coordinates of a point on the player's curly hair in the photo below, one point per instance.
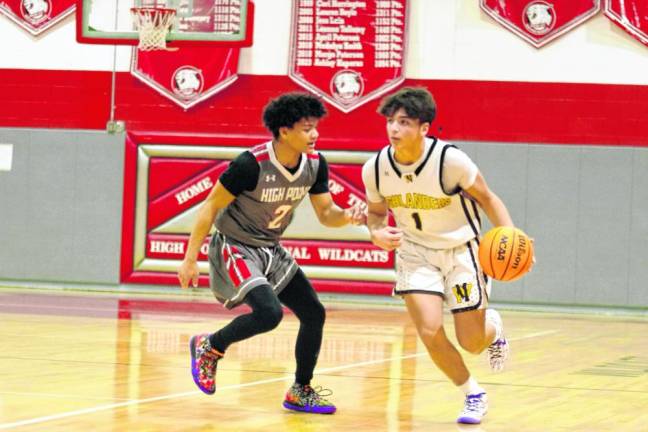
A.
x: 289, y: 108
x: 417, y: 102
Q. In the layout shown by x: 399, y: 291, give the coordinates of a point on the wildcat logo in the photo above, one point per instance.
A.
x: 462, y: 292
x: 36, y: 11
x: 539, y: 17
x: 187, y: 82
x: 346, y: 85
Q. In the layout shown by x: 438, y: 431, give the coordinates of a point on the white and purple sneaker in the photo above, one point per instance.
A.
x: 475, y: 408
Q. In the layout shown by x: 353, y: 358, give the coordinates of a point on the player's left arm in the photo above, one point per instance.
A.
x: 491, y: 204
x: 331, y: 215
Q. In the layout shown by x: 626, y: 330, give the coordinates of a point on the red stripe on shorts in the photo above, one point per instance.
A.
x: 236, y: 267
x: 241, y: 265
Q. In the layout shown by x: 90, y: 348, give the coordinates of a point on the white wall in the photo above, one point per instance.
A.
x: 448, y: 39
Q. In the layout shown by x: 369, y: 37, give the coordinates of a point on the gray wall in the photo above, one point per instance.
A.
x: 60, y: 206
x: 586, y: 207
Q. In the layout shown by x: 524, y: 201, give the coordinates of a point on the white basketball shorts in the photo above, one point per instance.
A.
x: 454, y: 274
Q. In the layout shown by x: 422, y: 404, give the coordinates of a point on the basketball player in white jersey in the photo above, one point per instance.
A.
x: 433, y: 189
x: 251, y: 206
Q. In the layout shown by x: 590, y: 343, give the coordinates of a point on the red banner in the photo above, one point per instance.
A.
x: 538, y: 21
x: 165, y: 185
x: 348, y: 52
x: 36, y: 16
x: 189, y: 75
x: 630, y: 15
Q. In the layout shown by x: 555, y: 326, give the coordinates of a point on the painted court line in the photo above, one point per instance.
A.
x: 61, y: 396
x: 108, y: 407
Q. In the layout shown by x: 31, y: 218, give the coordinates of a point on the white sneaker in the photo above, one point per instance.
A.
x: 475, y: 408
x: 499, y: 350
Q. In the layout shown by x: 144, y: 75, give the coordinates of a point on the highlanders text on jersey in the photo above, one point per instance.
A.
x: 428, y: 214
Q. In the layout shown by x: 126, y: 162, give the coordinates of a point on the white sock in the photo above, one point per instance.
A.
x: 498, y: 332
x: 496, y: 324
x: 471, y: 387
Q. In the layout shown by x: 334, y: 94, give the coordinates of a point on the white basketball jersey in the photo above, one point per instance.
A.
x: 422, y: 209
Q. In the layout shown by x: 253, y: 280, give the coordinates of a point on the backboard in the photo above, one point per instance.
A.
x: 197, y: 22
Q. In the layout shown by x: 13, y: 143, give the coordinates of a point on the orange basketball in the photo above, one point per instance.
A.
x: 505, y: 253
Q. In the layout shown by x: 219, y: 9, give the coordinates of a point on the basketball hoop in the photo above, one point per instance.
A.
x: 153, y: 24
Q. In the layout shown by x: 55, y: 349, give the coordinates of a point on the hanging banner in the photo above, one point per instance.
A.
x: 36, y: 16
x: 189, y: 75
x: 631, y: 16
x: 538, y: 21
x: 348, y: 52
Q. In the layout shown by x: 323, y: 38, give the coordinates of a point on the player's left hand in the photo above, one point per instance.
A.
x: 356, y: 215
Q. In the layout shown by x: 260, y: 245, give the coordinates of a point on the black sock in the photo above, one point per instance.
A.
x: 300, y: 298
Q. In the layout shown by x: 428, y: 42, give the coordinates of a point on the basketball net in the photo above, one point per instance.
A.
x: 153, y: 25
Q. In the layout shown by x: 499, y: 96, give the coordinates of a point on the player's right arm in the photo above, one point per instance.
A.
x: 382, y: 235
x: 241, y: 174
x: 218, y: 199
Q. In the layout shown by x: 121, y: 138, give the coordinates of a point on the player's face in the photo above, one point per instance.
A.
x: 302, y: 136
x: 405, y: 132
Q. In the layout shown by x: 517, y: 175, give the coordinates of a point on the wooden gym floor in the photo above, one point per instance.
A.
x: 102, y: 362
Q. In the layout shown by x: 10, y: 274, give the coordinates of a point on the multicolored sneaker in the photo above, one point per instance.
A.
x: 204, y: 359
x: 475, y: 408
x: 499, y: 350
x: 308, y: 399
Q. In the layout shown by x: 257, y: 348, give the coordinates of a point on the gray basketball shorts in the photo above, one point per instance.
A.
x: 236, y: 268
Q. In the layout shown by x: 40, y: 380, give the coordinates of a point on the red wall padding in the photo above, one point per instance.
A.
x: 560, y: 113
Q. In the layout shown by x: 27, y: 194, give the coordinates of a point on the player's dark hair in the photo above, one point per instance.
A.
x: 417, y: 102
x: 289, y: 108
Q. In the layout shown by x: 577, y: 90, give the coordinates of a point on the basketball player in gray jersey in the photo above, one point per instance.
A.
x: 251, y: 206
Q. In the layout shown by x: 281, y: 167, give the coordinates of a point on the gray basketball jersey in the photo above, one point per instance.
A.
x: 259, y: 217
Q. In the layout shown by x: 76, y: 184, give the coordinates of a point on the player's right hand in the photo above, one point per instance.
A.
x: 533, y: 259
x: 388, y: 238
x: 188, y: 272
